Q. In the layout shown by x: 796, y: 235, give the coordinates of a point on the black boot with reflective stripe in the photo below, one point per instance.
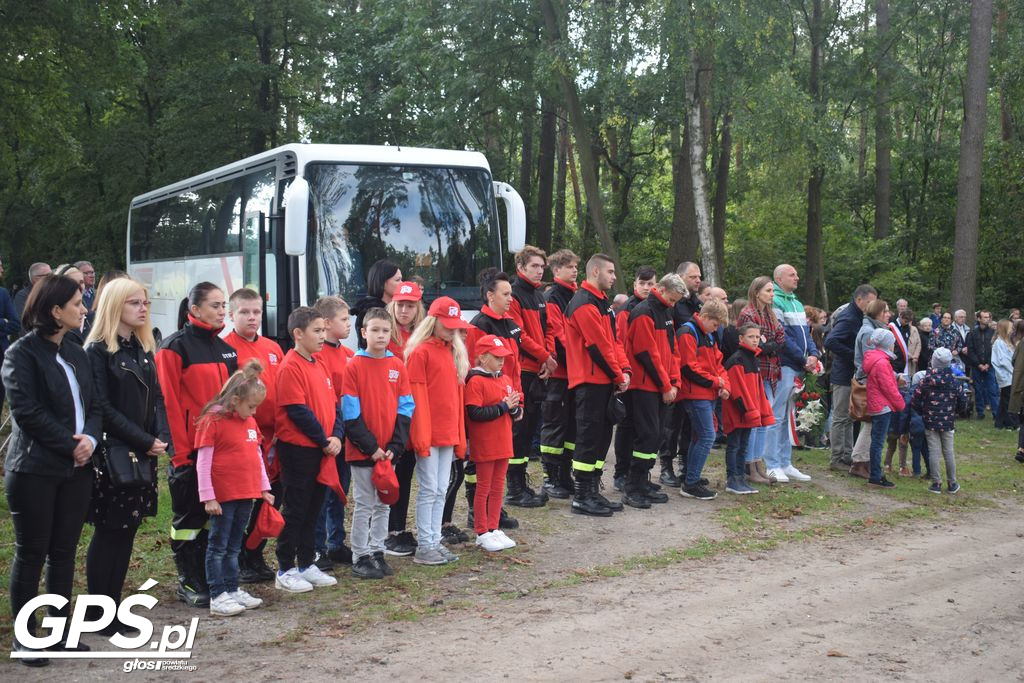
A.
x: 518, y: 493
x: 553, y: 481
x: 584, y: 502
x: 635, y: 493
x: 614, y: 506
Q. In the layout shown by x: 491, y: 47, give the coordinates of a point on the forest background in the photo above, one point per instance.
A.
x: 741, y: 133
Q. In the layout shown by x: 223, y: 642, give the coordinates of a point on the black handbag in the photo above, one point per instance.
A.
x: 126, y: 468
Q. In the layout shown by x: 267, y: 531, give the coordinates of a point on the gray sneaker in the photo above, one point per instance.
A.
x: 448, y: 554
x: 429, y: 556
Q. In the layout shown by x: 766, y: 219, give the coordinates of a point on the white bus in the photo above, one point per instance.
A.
x: 306, y: 220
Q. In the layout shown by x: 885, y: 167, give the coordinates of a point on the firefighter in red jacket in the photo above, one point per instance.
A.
x: 646, y: 277
x: 558, y: 431
x: 650, y: 343
x: 537, y: 361
x: 192, y: 365
x: 597, y: 369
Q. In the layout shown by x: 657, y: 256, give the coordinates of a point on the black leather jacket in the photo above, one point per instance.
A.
x: 129, y: 394
x: 42, y: 407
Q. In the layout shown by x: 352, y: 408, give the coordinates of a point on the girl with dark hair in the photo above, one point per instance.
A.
x: 192, y: 365
x: 382, y: 282
x: 56, y: 424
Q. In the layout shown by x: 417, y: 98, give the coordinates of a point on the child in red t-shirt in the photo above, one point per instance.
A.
x: 329, y: 536
x: 231, y: 475
x: 309, y: 428
x: 377, y: 405
x: 492, y: 403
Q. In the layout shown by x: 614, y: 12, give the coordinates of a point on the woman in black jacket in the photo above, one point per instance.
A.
x: 120, y: 347
x: 382, y: 281
x: 57, y: 423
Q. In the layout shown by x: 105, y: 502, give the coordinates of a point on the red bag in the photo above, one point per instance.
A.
x: 329, y: 477
x: 385, y: 481
x: 269, y: 524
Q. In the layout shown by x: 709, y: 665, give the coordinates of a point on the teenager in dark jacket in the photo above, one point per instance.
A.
x: 192, y: 364
x: 651, y: 352
x: 56, y: 423
x: 597, y: 369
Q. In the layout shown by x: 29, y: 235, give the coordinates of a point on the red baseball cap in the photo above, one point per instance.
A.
x: 269, y: 524
x: 447, y: 310
x: 496, y: 346
x: 328, y: 476
x: 408, y: 291
x: 385, y: 480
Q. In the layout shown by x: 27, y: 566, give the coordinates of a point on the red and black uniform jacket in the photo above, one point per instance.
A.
x: 747, y: 406
x: 488, y: 322
x: 192, y: 364
x: 558, y: 298
x: 650, y: 342
x: 622, y: 317
x: 592, y: 351
x: 529, y: 310
x: 700, y: 362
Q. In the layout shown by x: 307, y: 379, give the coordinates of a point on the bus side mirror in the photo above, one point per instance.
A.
x: 296, y: 205
x: 516, y: 212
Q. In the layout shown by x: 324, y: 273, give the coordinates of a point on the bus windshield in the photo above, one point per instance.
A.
x: 438, y: 225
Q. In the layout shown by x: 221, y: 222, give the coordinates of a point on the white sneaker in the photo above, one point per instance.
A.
x: 225, y: 606
x: 503, y: 537
x: 490, y: 542
x: 778, y: 475
x: 313, y: 575
x: 292, y: 582
x: 794, y: 473
x: 245, y: 600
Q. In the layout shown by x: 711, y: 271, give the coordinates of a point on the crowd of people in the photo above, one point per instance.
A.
x: 263, y: 443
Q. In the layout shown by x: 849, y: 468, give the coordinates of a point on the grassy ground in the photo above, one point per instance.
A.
x: 833, y: 504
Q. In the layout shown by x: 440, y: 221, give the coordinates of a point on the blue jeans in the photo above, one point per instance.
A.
x: 736, y: 446
x: 986, y: 391
x: 224, y: 544
x: 702, y: 437
x: 778, y: 452
x: 879, y: 431
x: 759, y: 435
x: 329, y: 533
x: 919, y: 449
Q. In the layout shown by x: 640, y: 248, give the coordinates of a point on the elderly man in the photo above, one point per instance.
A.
x: 89, y: 293
x: 36, y: 272
x: 960, y: 325
x: 799, y: 355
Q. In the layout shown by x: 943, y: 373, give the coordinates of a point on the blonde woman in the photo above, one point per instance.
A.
x: 438, y: 363
x: 407, y: 312
x: 1002, y: 364
x: 120, y: 347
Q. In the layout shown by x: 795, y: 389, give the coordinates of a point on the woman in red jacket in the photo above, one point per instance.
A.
x: 437, y: 360
x: 192, y: 365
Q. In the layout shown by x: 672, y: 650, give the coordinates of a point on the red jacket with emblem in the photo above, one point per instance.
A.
x: 592, y: 351
x: 650, y: 342
x: 702, y: 374
x: 270, y: 355
x: 529, y: 310
x: 488, y: 419
x: 747, y: 406
x: 504, y: 327
x: 558, y: 298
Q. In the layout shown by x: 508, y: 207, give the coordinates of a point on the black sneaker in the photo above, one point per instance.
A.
x: 881, y: 483
x: 452, y: 535
x: 366, y: 568
x: 323, y: 562
x: 953, y: 488
x: 340, y: 555
x: 384, y: 567
x: 936, y: 487
x: 401, y: 544
x: 506, y: 521
x: 1019, y: 457
x: 698, y: 491
x: 33, y: 662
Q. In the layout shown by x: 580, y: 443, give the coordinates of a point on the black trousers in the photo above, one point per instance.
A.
x: 188, y: 524
x: 524, y: 430
x: 675, y: 434
x: 558, y: 431
x: 399, y: 514
x: 1004, y: 418
x: 646, y: 412
x: 303, y: 498
x: 460, y: 472
x: 593, y: 430
x: 106, y: 563
x: 47, y: 514
x: 624, y: 442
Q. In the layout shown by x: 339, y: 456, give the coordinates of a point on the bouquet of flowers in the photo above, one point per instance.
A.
x: 810, y: 411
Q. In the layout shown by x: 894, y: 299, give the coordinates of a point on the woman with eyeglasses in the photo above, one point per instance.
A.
x: 192, y: 365
x: 120, y: 348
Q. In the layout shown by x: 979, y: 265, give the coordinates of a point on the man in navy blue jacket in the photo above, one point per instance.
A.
x: 840, y: 342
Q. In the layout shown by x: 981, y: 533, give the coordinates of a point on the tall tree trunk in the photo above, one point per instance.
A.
x: 545, y: 172
x: 1006, y: 124
x: 815, y: 247
x: 883, y: 132
x: 558, y: 230
x: 581, y: 221
x: 705, y: 233
x: 722, y: 190
x: 682, y: 244
x: 862, y: 137
x: 526, y: 168
x: 972, y: 143
x: 588, y: 162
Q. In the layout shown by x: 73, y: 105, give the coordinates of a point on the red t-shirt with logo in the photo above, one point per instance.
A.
x: 270, y: 355
x: 336, y: 357
x: 308, y: 383
x: 237, y: 468
x: 492, y: 439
